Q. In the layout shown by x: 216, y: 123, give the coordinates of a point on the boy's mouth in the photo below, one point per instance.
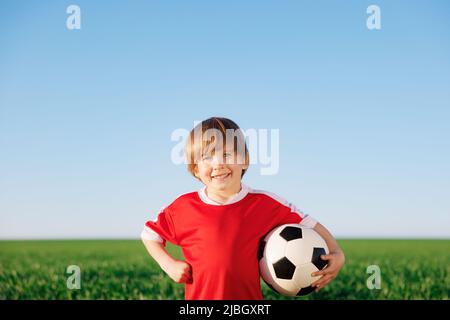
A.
x: 222, y: 176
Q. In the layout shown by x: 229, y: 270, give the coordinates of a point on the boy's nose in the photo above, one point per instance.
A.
x: 218, y: 160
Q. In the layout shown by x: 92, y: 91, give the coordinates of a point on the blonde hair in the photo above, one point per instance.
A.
x: 210, y: 132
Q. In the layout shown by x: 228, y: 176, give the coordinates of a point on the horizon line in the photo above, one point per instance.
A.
x: 138, y: 239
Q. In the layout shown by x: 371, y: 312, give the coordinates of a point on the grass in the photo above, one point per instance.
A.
x: 121, y: 269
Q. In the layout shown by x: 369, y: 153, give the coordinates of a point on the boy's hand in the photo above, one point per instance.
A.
x: 336, y: 260
x: 179, y: 271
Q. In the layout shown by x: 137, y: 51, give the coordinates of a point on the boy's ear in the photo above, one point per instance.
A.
x: 195, y: 170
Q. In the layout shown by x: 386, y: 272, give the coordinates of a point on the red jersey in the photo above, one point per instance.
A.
x: 221, y: 242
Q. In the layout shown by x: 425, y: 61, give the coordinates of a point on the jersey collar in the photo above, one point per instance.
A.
x: 237, y: 197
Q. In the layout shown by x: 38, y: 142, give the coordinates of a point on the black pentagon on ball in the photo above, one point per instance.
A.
x: 316, y: 260
x: 284, y: 269
x: 291, y: 233
x: 305, y: 291
x: 262, y: 245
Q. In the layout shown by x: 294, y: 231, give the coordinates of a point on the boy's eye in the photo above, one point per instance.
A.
x: 226, y: 155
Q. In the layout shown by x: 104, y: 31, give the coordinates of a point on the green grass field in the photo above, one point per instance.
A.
x: 112, y: 269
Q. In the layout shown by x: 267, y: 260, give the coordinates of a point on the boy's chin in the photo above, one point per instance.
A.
x: 219, y: 186
x: 223, y: 185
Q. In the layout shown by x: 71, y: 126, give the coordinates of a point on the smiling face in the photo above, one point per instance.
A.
x: 221, y: 171
x: 217, y: 155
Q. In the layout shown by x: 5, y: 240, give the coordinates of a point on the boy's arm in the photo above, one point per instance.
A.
x: 335, y: 258
x: 328, y: 237
x: 178, y: 270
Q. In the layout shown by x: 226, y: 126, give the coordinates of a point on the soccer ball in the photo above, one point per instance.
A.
x: 288, y: 255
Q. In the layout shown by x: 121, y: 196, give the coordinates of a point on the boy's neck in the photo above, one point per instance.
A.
x: 222, y: 196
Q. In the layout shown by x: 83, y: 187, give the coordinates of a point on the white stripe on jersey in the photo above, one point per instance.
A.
x: 307, y: 221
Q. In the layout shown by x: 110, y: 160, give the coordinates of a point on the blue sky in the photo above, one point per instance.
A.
x: 86, y: 115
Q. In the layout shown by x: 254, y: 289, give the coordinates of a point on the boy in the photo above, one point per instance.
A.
x: 219, y: 227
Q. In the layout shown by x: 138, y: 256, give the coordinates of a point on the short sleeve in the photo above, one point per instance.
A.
x: 162, y: 229
x: 293, y: 215
x: 289, y: 213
